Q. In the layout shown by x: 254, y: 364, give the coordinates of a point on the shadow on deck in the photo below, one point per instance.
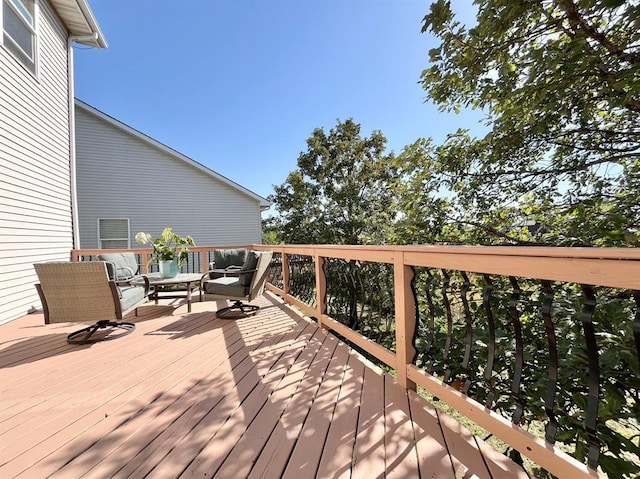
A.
x: 190, y: 395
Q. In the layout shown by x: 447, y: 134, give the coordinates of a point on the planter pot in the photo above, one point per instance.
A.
x: 169, y: 269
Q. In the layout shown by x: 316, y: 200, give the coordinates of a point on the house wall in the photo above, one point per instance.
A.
x: 122, y: 176
x: 35, y: 205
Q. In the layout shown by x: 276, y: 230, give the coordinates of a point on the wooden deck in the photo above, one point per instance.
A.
x: 190, y: 395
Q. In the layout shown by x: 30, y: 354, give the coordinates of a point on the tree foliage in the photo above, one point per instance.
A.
x: 560, y: 85
x: 340, y: 192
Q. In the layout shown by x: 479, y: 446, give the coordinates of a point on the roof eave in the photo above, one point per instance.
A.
x: 80, y: 21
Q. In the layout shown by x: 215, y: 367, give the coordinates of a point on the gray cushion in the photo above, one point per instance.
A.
x: 125, y: 263
x: 226, y: 286
x: 130, y: 296
x: 249, y: 264
x: 223, y: 258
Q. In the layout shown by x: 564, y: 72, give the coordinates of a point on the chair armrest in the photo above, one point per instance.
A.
x: 228, y: 271
x: 232, y: 270
x: 135, y: 281
x: 116, y: 274
x: 129, y: 273
x: 147, y: 286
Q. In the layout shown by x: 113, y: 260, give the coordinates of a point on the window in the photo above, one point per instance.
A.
x: 19, y: 30
x: 113, y: 233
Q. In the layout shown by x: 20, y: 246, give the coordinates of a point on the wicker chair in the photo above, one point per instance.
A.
x: 246, y: 283
x: 83, y: 292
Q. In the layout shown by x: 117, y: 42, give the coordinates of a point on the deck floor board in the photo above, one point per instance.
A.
x: 191, y: 395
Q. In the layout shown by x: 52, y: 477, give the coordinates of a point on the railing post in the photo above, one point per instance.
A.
x: 321, y: 289
x: 204, y: 264
x: 405, y: 319
x: 285, y: 275
x: 145, y: 256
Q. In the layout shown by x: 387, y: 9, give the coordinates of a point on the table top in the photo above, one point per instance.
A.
x: 155, y: 278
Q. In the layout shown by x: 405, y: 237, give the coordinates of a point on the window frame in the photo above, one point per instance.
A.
x: 10, y: 44
x: 101, y: 239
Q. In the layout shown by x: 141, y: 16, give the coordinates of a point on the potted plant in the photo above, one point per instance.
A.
x: 170, y: 250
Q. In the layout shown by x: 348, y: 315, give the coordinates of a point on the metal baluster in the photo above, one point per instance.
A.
x: 517, y: 331
x: 325, y: 272
x: 447, y: 308
x: 464, y: 291
x: 381, y: 292
x: 360, y: 295
x: 432, y: 318
x: 333, y: 282
x: 330, y: 281
x: 368, y: 293
x: 292, y: 273
x: 591, y: 421
x: 345, y: 294
x: 298, y: 283
x: 414, y: 293
x: 388, y: 282
x: 353, y: 300
x: 488, y: 371
x: 303, y: 294
x: 310, y: 283
x: 550, y: 399
x: 340, y: 291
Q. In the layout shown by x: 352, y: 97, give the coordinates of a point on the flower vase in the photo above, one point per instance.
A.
x: 169, y: 269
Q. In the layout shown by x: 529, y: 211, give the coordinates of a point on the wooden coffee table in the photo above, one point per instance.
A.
x: 189, y: 280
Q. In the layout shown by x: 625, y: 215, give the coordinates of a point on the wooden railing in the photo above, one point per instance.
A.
x: 459, y: 322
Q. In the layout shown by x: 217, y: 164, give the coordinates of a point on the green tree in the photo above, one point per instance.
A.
x: 340, y: 193
x: 270, y: 231
x: 424, y: 209
x: 560, y: 85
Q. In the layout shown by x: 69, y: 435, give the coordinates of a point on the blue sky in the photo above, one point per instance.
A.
x: 239, y: 85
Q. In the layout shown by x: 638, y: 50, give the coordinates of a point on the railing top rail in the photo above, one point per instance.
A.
x: 611, y: 267
x: 530, y: 251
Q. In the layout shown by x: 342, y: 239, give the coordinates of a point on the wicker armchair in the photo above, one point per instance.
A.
x: 84, y: 292
x: 246, y: 284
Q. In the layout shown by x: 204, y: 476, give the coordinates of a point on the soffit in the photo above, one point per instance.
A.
x: 79, y: 20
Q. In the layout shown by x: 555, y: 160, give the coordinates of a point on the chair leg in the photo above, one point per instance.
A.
x: 85, y: 335
x: 237, y: 310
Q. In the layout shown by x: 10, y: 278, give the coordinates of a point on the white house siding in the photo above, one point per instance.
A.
x: 120, y: 175
x: 35, y: 208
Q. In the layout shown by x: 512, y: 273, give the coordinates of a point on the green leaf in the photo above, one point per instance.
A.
x: 618, y: 467
x: 613, y: 3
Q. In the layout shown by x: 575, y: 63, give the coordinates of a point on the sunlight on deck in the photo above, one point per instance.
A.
x: 190, y: 395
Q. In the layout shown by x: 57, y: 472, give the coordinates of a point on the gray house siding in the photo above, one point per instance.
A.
x: 35, y: 206
x: 122, y: 175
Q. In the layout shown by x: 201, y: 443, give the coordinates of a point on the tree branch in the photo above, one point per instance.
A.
x: 574, y: 15
x: 580, y: 23
x: 494, y: 232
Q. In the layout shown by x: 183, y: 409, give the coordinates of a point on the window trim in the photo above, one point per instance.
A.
x: 100, y: 239
x: 30, y: 63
